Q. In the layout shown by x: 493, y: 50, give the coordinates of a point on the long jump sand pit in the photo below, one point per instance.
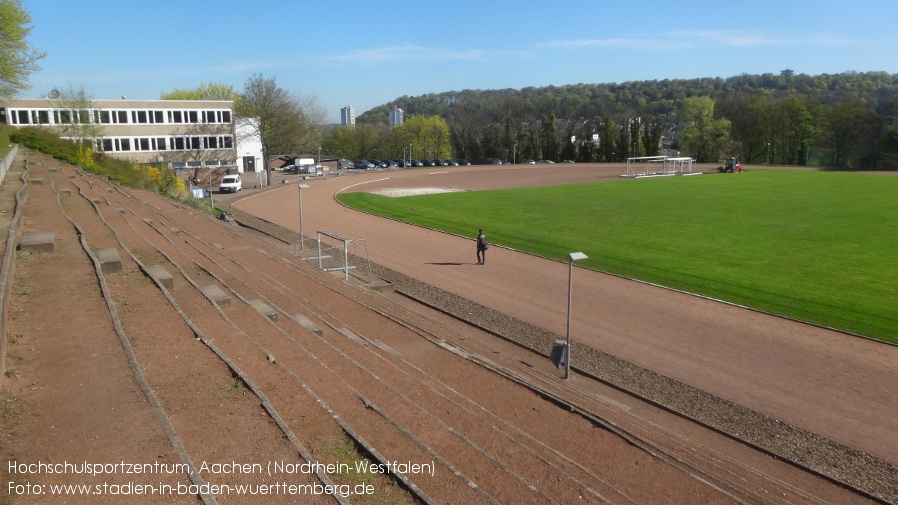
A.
x: 400, y: 192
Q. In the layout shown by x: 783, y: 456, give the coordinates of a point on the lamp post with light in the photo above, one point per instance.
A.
x: 301, y: 236
x: 572, y: 257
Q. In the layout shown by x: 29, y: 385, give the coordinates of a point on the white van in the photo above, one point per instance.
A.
x: 230, y: 184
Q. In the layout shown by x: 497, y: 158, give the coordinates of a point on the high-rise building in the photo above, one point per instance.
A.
x: 347, y: 116
x: 396, y: 117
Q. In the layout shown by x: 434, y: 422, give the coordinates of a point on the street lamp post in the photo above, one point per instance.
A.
x: 768, y: 153
x: 572, y: 257
x: 301, y: 236
x: 514, y: 155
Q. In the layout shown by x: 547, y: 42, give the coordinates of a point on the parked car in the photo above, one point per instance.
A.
x: 450, y: 163
x: 364, y: 165
x: 416, y: 163
x: 462, y: 161
x: 230, y: 184
x: 494, y: 161
x: 528, y: 162
x: 430, y: 163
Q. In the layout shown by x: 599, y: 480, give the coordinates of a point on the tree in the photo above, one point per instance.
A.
x: 429, y: 136
x: 549, y: 137
x: 281, y: 122
x: 703, y: 137
x: 17, y: 58
x: 794, y: 130
x: 651, y: 137
x: 607, y: 142
x: 205, y: 91
x: 843, y: 129
x: 71, y: 110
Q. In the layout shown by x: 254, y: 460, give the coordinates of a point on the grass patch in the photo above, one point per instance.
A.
x: 341, y: 450
x: 237, y: 385
x: 11, y: 410
x: 817, y: 246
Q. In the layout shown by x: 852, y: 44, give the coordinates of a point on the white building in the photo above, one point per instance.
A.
x: 396, y: 117
x: 347, y: 116
x: 249, y: 149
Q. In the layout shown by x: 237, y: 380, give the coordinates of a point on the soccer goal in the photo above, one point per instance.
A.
x: 644, y: 166
x: 657, y: 166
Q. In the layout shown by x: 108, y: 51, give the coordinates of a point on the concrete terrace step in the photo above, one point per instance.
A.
x: 41, y: 241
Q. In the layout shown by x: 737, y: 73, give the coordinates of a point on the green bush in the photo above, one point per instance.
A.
x: 4, y: 139
x: 160, y: 179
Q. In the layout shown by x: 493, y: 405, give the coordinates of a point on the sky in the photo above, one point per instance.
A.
x: 369, y: 53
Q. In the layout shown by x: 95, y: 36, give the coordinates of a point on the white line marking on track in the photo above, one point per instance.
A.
x: 360, y: 183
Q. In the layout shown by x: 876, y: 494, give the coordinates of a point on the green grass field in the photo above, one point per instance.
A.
x: 817, y: 246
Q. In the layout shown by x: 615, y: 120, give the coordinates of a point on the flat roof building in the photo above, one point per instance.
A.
x: 181, y: 132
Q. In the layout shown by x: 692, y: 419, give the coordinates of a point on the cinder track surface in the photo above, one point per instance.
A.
x: 115, y: 366
x: 824, y: 381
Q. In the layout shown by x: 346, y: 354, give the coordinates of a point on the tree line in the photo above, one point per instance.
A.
x: 846, y: 120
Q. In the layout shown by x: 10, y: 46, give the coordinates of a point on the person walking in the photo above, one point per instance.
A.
x: 482, y: 246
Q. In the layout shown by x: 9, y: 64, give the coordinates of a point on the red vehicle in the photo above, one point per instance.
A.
x: 730, y: 165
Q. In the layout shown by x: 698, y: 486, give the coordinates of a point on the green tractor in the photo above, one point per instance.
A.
x: 730, y: 165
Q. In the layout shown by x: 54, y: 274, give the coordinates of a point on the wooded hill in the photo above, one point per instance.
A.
x: 845, y: 120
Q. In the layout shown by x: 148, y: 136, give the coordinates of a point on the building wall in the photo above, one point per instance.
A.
x: 248, y: 146
x: 181, y: 132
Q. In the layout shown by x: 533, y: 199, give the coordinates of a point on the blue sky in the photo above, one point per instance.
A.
x: 365, y: 53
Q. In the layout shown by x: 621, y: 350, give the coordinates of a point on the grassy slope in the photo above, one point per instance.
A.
x: 812, y: 245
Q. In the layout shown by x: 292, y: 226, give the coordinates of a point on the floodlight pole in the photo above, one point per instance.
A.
x: 572, y: 257
x: 301, y: 237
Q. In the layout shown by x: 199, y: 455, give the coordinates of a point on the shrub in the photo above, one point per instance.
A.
x: 158, y: 178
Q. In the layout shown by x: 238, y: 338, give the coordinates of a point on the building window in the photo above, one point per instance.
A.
x: 159, y: 144
x: 139, y: 116
x: 62, y: 116
x: 22, y: 116
x: 106, y: 145
x: 40, y: 117
x: 174, y: 116
x: 122, y: 144
x: 102, y: 117
x: 120, y: 117
x: 178, y: 143
x: 225, y: 116
x: 192, y: 117
x: 228, y: 143
x: 156, y: 117
x: 142, y: 144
